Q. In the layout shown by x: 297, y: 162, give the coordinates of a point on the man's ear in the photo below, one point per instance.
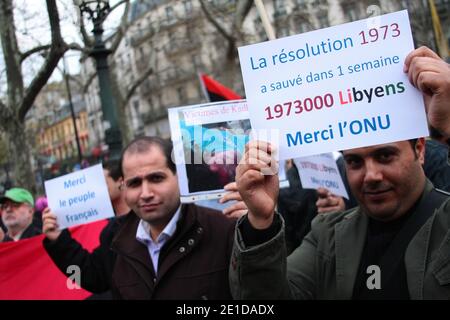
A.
x: 31, y: 210
x: 420, y: 150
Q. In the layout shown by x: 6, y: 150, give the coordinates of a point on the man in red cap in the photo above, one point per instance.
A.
x: 18, y: 208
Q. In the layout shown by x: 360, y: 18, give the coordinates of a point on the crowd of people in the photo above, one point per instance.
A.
x: 311, y: 244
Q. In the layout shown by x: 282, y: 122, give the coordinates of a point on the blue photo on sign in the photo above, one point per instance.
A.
x: 212, y: 152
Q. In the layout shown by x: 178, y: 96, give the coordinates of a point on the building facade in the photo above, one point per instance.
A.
x: 177, y: 41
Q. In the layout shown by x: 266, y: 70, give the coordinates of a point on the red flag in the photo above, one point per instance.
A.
x: 217, y: 91
x: 27, y: 272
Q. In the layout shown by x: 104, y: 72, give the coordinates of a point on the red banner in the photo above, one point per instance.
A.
x: 217, y: 91
x: 28, y: 273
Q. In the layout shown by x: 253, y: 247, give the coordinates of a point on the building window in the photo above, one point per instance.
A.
x: 301, y: 3
x: 283, y: 31
x: 350, y: 11
x: 196, y: 61
x: 187, y: 6
x: 136, y: 115
x: 302, y: 27
x: 169, y: 14
x: 181, y: 92
x: 323, y: 20
x: 280, y: 7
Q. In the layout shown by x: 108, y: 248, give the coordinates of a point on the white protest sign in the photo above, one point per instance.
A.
x: 321, y: 171
x: 337, y: 88
x: 208, y: 142
x: 79, y: 197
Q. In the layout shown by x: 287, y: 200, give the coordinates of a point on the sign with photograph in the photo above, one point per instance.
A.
x: 209, y: 141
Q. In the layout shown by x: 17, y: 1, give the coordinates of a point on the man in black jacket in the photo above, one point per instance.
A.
x: 163, y: 250
x: 96, y: 266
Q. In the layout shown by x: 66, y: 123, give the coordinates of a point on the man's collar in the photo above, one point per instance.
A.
x: 143, y: 231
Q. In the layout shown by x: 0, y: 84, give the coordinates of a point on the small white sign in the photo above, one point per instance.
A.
x: 334, y: 89
x: 79, y: 197
x: 321, y: 171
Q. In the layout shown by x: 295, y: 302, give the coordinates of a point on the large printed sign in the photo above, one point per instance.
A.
x: 336, y: 88
x: 79, y: 197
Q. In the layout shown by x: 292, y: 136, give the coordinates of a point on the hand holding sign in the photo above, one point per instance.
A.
x: 430, y: 74
x: 329, y: 202
x: 334, y: 89
x: 80, y: 197
x: 236, y: 209
x: 258, y: 191
x: 49, y: 225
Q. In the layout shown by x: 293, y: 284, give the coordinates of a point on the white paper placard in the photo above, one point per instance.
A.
x: 321, y: 171
x: 208, y: 142
x: 79, y: 197
x: 337, y: 88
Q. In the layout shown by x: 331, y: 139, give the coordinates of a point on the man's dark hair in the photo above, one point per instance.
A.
x: 143, y: 144
x: 413, y: 146
x: 113, y: 167
x: 435, y: 134
x: 413, y: 143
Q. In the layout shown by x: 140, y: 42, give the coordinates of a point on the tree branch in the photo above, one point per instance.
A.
x: 122, y: 27
x: 88, y: 82
x: 216, y: 24
x: 11, y: 54
x: 5, y: 115
x: 119, y: 4
x: 76, y: 80
x: 88, y: 41
x: 57, y: 50
x: 137, y: 83
x: 33, y: 51
x: 242, y: 10
x: 75, y: 46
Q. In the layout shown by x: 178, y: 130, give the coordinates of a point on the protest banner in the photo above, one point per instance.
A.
x: 79, y: 197
x: 337, y: 88
x: 28, y: 273
x: 321, y: 171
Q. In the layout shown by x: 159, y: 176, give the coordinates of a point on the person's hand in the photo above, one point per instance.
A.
x: 329, y: 202
x: 259, y: 191
x: 431, y: 75
x: 49, y: 225
x: 2, y: 235
x: 238, y: 208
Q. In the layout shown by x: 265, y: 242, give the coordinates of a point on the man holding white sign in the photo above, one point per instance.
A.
x: 379, y: 250
x: 166, y: 250
x: 335, y: 88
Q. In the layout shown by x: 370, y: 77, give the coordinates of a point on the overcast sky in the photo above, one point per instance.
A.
x: 31, y: 21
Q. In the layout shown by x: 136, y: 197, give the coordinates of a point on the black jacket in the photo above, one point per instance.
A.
x: 29, y: 232
x: 193, y: 263
x: 436, y: 165
x: 96, y: 267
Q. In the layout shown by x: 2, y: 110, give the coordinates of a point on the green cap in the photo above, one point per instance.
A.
x: 19, y: 195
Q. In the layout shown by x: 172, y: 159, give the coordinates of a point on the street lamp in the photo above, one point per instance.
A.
x: 97, y: 11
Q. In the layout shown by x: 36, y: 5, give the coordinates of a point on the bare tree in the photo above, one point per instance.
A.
x: 122, y: 94
x: 20, y: 98
x: 232, y: 32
